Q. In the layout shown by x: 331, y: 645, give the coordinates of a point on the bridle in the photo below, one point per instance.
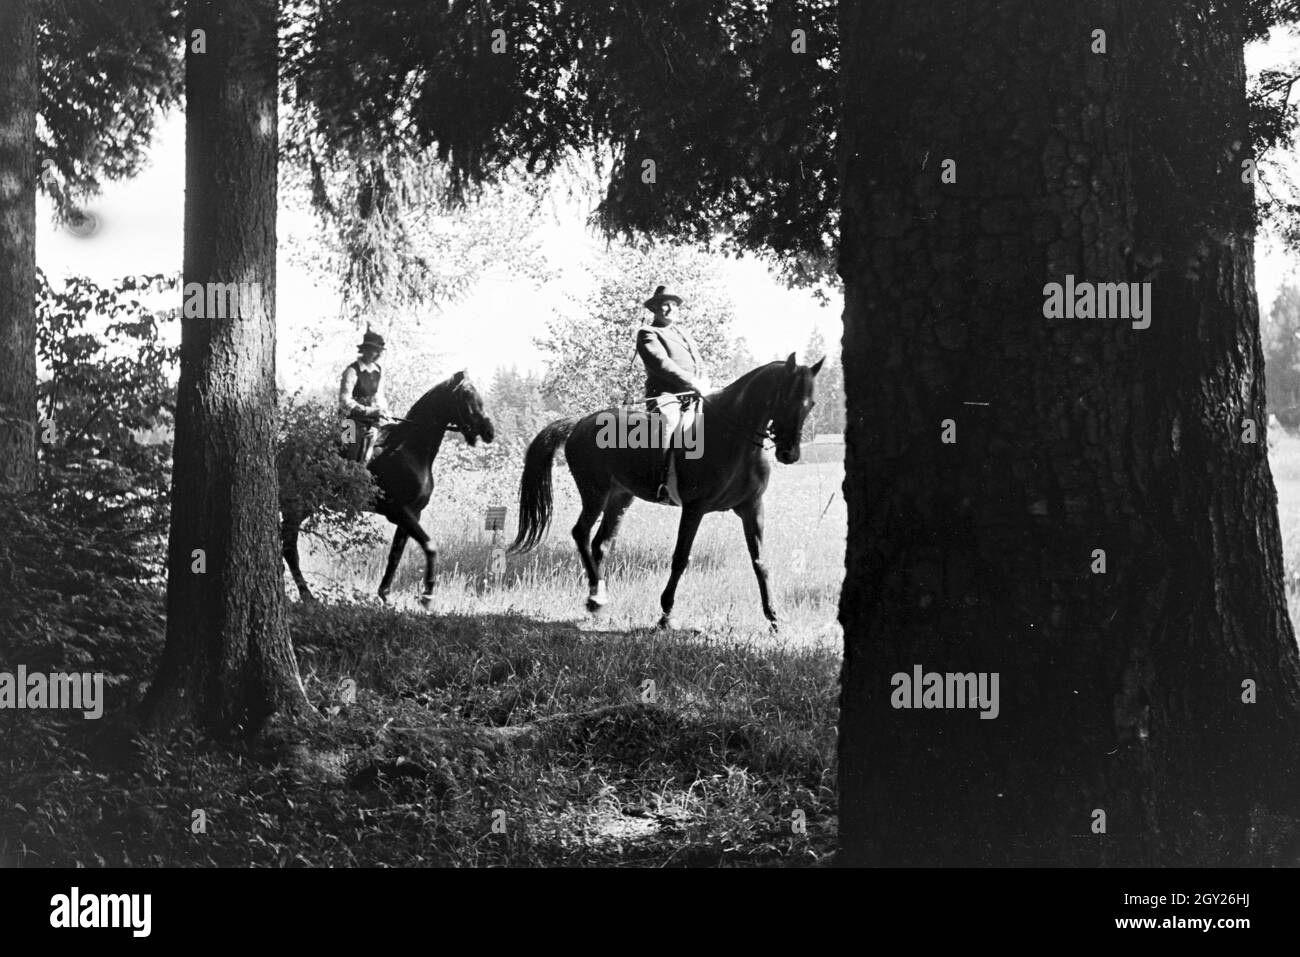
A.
x: 755, y: 437
x: 460, y: 426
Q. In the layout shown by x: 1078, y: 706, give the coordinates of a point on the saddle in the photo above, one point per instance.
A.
x: 370, y: 438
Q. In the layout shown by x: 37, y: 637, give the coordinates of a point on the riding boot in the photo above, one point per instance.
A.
x: 663, y: 496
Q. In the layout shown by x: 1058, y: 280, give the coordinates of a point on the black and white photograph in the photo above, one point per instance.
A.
x: 651, y: 434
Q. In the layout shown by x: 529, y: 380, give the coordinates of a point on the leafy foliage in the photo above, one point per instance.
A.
x: 519, y: 408
x: 541, y: 84
x: 108, y: 69
x: 1281, y: 338
x: 392, y: 241
x: 315, y: 480
x: 106, y: 408
x: 827, y: 416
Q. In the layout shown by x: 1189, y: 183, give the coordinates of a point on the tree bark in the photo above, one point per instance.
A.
x: 18, y: 100
x: 228, y: 662
x: 1121, y: 690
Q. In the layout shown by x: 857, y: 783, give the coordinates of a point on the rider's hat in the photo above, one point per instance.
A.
x: 371, y: 340
x: 661, y: 296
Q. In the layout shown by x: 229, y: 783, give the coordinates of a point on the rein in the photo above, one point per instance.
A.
x: 448, y: 427
x: 394, y: 418
x: 755, y: 437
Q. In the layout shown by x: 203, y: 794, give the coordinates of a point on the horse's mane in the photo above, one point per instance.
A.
x: 753, y: 373
x: 740, y: 386
x: 419, y: 419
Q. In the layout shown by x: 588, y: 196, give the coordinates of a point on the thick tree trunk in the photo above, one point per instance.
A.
x: 18, y: 97
x: 1120, y: 691
x: 228, y: 662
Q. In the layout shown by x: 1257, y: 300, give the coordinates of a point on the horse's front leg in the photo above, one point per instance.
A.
x: 690, y: 524
x: 400, y: 537
x: 412, y: 525
x: 751, y: 517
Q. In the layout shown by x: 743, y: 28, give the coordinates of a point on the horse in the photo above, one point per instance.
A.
x: 403, y: 470
x: 730, y: 471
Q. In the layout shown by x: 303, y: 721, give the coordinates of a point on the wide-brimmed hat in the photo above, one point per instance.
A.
x: 661, y: 296
x: 371, y: 340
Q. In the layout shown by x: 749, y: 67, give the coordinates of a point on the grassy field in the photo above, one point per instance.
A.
x: 803, y: 546
x: 1284, y: 459
x: 504, y: 726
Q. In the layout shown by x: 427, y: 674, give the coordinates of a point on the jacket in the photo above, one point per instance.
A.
x: 672, y: 362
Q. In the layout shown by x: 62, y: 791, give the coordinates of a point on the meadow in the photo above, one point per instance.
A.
x: 803, y: 547
x: 503, y: 726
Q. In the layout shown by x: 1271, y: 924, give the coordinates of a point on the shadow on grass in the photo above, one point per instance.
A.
x: 672, y: 749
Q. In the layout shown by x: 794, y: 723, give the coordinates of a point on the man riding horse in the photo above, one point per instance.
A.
x: 672, y: 366
x: 362, y: 400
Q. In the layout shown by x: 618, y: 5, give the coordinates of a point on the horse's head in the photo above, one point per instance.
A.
x: 791, y: 404
x: 466, y: 414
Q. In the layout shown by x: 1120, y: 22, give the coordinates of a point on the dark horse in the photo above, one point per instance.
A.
x: 729, y: 471
x: 403, y: 470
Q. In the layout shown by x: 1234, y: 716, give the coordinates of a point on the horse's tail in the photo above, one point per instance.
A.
x: 535, y: 486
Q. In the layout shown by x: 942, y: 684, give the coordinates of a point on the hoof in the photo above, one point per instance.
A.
x: 669, y: 623
x: 772, y: 626
x: 383, y: 597
x: 308, y: 598
x: 594, y: 606
x: 426, y: 601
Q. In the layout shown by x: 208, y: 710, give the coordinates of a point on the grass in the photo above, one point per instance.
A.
x: 504, y: 726
x: 413, y: 762
x: 1284, y: 460
x: 804, y: 549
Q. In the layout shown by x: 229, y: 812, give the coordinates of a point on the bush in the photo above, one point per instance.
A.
x: 106, y: 410
x: 316, y: 480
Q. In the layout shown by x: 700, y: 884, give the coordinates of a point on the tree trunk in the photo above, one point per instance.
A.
x: 228, y: 662
x: 1121, y: 691
x: 18, y: 98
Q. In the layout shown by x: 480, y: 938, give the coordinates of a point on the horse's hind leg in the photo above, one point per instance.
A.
x: 615, y: 508
x: 400, y: 537
x: 289, y: 549
x: 751, y: 516
x: 592, y: 506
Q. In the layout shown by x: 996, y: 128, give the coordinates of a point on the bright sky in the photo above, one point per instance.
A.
x: 141, y: 232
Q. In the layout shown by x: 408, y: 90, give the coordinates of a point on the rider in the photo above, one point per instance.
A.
x: 361, y: 397
x: 672, y: 365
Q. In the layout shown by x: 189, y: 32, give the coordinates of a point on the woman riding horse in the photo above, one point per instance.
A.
x: 403, y: 470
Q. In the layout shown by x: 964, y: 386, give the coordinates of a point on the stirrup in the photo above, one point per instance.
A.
x: 663, y: 496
